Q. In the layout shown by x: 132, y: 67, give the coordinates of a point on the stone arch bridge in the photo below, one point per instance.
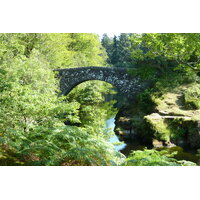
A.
x: 126, y: 84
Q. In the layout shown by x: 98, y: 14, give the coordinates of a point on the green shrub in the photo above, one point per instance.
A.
x: 145, y: 72
x: 192, y: 96
x: 66, y: 145
x: 154, y: 158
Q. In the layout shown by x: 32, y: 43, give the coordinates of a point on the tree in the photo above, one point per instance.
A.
x: 107, y: 44
x: 118, y: 50
x: 32, y: 113
x: 183, y: 48
x: 29, y: 91
x: 65, y: 50
x: 125, y: 50
x: 115, y: 56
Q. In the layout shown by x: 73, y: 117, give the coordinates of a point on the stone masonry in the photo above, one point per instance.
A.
x: 118, y: 77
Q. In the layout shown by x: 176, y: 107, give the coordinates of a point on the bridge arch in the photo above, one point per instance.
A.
x: 118, y: 77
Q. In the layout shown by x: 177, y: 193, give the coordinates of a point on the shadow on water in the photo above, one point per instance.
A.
x: 133, y: 146
x: 127, y: 148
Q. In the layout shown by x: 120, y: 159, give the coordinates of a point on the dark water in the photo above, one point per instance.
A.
x: 127, y: 148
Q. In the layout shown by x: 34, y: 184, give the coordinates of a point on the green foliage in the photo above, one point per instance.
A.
x: 57, y: 146
x: 154, y: 158
x: 178, y: 129
x: 32, y: 96
x: 118, y: 50
x: 179, y: 47
x: 93, y: 109
x: 65, y: 50
x: 32, y: 113
x: 161, y: 129
x: 144, y: 101
x: 107, y: 44
x: 115, y: 51
x: 192, y: 96
x: 166, y: 97
x: 125, y: 50
x: 145, y: 72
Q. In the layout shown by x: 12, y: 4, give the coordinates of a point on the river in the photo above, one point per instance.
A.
x: 127, y: 148
x: 110, y: 124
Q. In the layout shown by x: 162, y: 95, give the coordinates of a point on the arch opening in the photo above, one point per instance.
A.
x: 92, y: 88
x: 96, y: 97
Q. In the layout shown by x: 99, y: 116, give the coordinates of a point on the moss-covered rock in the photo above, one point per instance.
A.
x: 159, y: 126
x: 166, y: 118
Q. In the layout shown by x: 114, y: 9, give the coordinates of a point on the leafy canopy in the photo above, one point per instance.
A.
x: 183, y: 48
x: 32, y: 113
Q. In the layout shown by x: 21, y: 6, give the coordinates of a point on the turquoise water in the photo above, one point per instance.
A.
x: 110, y: 124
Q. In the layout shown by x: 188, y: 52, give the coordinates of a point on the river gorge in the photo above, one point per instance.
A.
x: 127, y: 147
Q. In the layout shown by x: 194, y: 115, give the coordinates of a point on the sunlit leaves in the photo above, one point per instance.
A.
x: 32, y: 112
x: 73, y: 50
x: 184, y: 48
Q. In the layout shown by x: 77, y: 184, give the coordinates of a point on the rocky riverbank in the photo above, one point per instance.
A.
x: 168, y: 120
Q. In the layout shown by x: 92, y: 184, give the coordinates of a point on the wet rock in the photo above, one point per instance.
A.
x: 157, y: 143
x: 169, y: 144
x: 160, y: 144
x: 125, y: 122
x: 168, y: 122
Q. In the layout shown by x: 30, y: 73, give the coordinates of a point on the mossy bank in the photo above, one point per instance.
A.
x: 167, y: 114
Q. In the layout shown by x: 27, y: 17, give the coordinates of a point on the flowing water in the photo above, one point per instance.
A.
x: 127, y: 148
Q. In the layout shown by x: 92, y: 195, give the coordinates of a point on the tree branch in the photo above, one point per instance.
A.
x: 190, y: 64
